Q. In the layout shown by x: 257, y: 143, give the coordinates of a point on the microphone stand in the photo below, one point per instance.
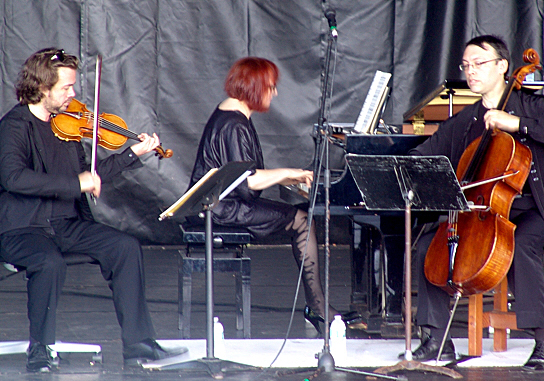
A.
x: 325, y: 360
x: 322, y: 133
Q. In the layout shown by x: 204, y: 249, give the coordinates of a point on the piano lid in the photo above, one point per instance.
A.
x: 435, y: 107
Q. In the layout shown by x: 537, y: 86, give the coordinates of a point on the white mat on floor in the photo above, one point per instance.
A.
x: 360, y: 352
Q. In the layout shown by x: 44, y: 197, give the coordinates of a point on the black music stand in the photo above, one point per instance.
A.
x: 204, y: 196
x: 395, y: 183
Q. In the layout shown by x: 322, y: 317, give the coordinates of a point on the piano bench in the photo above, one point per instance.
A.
x: 228, y: 257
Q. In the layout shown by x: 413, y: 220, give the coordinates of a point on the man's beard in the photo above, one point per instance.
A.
x: 55, y: 110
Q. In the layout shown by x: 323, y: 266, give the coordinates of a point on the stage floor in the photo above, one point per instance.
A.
x: 86, y: 315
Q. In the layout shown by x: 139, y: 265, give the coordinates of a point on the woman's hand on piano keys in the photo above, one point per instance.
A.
x: 264, y: 178
x: 298, y: 176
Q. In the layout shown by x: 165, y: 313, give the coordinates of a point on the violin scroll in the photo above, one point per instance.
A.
x: 163, y: 153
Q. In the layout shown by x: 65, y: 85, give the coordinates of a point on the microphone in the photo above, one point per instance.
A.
x: 330, y: 14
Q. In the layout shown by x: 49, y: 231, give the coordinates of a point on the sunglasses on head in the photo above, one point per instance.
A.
x: 59, y: 55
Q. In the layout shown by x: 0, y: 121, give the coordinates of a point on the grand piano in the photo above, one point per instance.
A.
x: 377, y: 238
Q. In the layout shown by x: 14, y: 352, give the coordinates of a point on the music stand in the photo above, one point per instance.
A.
x: 395, y: 183
x: 204, y: 196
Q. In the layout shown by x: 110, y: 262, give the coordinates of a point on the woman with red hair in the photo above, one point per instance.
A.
x: 229, y: 136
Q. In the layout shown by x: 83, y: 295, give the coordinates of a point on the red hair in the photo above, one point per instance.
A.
x: 249, y: 79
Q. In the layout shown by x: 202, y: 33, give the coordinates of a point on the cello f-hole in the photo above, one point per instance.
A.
x: 481, y: 201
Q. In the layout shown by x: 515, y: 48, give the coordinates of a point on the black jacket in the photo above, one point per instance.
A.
x: 455, y: 134
x: 27, y: 189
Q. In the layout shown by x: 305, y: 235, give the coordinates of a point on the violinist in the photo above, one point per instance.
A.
x: 486, y: 64
x: 44, y: 211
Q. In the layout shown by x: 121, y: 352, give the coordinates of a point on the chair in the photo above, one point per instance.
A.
x: 499, y: 318
x: 228, y: 256
x: 12, y: 347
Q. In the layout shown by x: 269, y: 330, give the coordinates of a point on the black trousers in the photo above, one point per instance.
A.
x: 118, y: 254
x: 525, y: 277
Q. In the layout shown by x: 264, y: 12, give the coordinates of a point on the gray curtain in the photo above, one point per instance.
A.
x: 164, y: 62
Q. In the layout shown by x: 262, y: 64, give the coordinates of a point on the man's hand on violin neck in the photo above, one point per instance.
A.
x: 90, y: 183
x: 147, y: 144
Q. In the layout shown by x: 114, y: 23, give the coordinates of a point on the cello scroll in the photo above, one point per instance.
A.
x: 516, y: 79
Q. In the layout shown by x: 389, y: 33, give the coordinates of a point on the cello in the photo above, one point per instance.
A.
x: 472, y: 251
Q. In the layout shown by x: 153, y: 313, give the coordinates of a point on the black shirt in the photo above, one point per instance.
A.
x: 59, y: 157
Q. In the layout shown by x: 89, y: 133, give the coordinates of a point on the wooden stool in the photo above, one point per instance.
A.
x: 228, y: 256
x: 499, y: 318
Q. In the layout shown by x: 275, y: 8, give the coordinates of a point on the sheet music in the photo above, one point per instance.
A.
x: 175, y: 206
x: 205, y: 192
x: 371, y: 106
x: 234, y: 185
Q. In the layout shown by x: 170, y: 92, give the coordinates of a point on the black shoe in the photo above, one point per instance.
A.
x: 428, y: 350
x: 536, y: 361
x: 352, y: 318
x: 38, y: 358
x: 147, y: 350
x: 313, y: 318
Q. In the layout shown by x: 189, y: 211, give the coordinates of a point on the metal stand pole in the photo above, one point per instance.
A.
x: 409, y: 363
x: 211, y: 364
x: 209, y: 285
x: 325, y: 359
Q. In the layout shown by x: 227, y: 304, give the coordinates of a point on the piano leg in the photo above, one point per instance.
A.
x: 377, y: 259
x: 392, y: 228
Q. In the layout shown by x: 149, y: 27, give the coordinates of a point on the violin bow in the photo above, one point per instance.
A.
x: 95, y: 118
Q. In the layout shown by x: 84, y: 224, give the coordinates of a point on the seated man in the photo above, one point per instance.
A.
x: 486, y: 62
x: 44, y: 211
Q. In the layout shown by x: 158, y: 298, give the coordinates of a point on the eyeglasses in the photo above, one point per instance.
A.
x: 476, y: 65
x: 59, y: 55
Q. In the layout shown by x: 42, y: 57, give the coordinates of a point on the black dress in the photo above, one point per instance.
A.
x: 230, y: 136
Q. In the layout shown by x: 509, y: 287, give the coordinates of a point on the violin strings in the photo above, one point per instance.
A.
x: 110, y: 126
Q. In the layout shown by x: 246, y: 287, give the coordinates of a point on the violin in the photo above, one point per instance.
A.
x: 77, y: 122
x: 472, y: 252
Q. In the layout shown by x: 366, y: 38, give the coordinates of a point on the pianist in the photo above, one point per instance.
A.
x: 485, y: 65
x: 229, y: 135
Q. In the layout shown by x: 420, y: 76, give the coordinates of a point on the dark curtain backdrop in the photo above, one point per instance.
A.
x: 164, y: 62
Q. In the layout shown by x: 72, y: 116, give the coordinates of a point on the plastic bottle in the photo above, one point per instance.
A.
x: 338, y: 340
x: 218, y: 338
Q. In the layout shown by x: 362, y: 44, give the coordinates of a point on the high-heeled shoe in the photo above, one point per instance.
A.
x: 352, y: 318
x: 314, y: 319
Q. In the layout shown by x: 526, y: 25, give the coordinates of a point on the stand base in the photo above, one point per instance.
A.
x: 416, y: 365
x: 325, y: 361
x: 214, y: 366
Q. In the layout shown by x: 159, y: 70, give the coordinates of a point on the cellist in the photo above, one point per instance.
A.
x: 486, y: 65
x: 44, y: 212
